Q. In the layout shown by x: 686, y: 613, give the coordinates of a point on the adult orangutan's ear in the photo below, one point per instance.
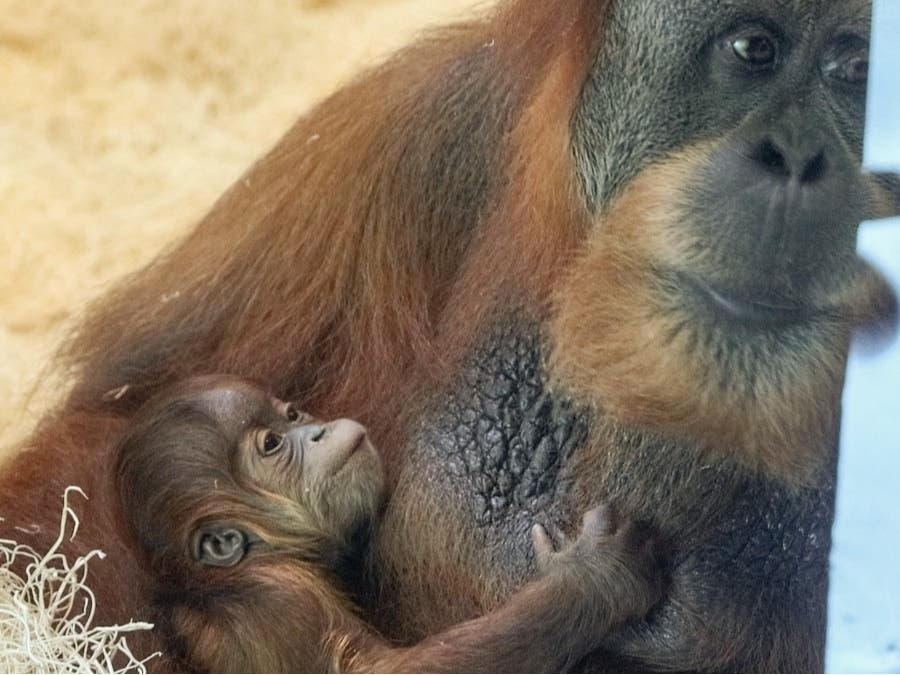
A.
x: 219, y: 545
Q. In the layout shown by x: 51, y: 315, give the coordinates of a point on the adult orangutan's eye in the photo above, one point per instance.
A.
x: 848, y: 62
x: 756, y: 48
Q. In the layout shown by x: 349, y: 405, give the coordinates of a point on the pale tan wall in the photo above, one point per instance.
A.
x: 122, y: 120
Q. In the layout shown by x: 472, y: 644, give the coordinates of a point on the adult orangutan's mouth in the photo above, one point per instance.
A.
x: 748, y: 309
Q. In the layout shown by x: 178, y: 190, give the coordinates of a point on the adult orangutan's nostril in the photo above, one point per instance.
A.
x: 318, y: 434
x: 770, y: 156
x: 814, y: 169
x: 790, y: 163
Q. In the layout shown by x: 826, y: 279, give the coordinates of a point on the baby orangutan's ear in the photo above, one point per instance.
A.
x: 219, y: 545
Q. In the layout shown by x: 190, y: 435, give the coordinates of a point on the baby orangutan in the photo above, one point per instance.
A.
x: 254, y: 517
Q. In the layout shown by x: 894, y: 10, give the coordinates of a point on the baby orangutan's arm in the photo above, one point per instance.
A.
x: 607, y: 576
x: 281, y: 616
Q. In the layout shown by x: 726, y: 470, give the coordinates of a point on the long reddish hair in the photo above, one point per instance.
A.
x: 347, y: 267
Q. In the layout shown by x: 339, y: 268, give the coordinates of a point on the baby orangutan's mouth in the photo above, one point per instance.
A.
x: 354, y: 447
x: 358, y: 444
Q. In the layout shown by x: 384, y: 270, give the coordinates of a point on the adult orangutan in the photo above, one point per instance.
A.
x: 570, y: 252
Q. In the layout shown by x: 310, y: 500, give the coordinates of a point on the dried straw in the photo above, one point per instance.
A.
x: 47, y: 616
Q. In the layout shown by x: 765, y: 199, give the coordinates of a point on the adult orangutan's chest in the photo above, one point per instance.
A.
x: 498, y: 445
x: 498, y: 450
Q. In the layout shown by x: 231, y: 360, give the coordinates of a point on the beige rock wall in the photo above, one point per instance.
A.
x: 122, y: 120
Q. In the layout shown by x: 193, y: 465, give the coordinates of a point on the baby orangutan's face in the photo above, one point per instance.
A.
x: 329, y: 467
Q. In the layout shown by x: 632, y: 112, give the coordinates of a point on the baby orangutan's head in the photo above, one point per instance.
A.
x: 217, y: 469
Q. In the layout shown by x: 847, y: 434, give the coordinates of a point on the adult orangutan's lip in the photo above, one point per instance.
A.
x: 750, y: 310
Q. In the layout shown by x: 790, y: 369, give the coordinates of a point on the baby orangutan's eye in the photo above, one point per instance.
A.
x: 292, y: 414
x: 268, y: 442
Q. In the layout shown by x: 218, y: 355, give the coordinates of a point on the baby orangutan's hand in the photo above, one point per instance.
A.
x: 612, y: 559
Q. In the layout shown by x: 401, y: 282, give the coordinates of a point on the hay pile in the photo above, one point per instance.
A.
x: 47, y: 612
x: 120, y: 123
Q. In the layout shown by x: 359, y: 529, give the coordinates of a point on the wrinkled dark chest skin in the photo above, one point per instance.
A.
x: 747, y: 558
x: 501, y: 443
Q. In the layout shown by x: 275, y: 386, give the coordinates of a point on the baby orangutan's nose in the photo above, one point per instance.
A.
x: 328, y: 447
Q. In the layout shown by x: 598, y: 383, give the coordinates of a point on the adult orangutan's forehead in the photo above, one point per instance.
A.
x: 702, y: 14
x: 796, y: 7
